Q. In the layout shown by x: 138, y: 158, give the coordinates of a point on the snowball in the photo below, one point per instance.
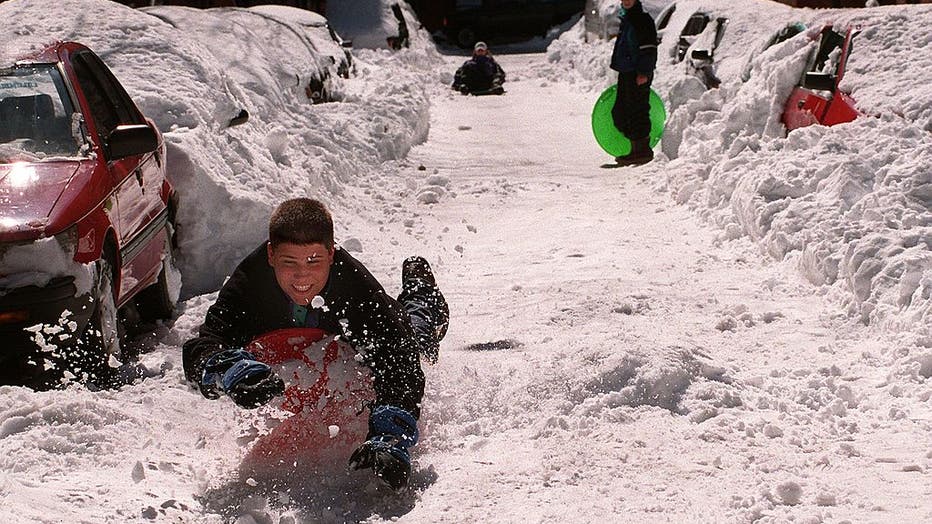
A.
x: 789, y: 493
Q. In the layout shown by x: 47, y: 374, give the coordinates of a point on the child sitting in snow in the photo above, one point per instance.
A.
x: 273, y: 288
x: 480, y: 74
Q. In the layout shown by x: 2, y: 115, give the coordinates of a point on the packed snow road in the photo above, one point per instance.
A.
x: 610, y: 357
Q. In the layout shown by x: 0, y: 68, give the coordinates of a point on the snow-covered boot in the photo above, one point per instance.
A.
x: 629, y: 159
x: 641, y: 153
x: 425, y: 304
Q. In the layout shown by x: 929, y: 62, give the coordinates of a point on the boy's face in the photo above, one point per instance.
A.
x: 301, y: 269
x: 628, y: 4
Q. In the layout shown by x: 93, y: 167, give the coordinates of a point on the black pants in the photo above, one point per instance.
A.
x: 475, y: 79
x: 631, y: 112
x: 429, y: 315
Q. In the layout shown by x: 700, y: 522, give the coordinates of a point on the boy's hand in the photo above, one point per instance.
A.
x: 248, y: 382
x: 640, y: 79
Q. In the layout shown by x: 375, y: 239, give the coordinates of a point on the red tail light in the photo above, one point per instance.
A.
x: 14, y: 317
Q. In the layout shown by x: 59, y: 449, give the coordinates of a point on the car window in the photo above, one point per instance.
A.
x: 110, y: 102
x: 103, y: 112
x: 665, y: 17
x: 695, y: 25
x: 35, y: 112
x: 827, y: 58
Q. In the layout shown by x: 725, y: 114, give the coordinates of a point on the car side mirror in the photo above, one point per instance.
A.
x: 701, y: 55
x: 347, y: 43
x: 819, y: 81
x: 130, y: 140
x: 241, y: 118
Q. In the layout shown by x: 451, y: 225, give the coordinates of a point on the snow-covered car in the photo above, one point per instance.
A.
x: 701, y: 59
x: 698, y: 39
x: 784, y: 34
x: 663, y: 20
x: 817, y: 99
x: 86, y: 215
x: 696, y: 25
x: 319, y: 32
x: 317, y: 78
x: 712, y: 40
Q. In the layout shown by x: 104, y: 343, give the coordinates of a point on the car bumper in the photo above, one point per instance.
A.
x: 22, y: 355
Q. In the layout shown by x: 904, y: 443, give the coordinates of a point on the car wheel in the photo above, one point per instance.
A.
x: 89, y: 362
x: 315, y: 91
x: 157, y: 302
x: 466, y: 37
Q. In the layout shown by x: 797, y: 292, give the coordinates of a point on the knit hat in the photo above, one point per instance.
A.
x: 480, y: 45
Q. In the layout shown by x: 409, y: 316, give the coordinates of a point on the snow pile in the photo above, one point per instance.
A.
x: 18, y: 264
x: 851, y: 203
x: 193, y: 80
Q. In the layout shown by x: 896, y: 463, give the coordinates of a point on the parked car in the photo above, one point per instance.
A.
x: 817, y: 99
x: 784, y: 34
x: 663, y: 20
x: 86, y: 216
x: 319, y: 32
x: 701, y: 60
x: 696, y: 24
x: 472, y: 20
x: 317, y: 77
x: 696, y: 44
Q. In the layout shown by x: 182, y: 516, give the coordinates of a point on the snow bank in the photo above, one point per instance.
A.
x: 193, y: 80
x: 850, y: 205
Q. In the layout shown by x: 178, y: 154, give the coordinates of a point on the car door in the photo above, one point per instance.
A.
x: 817, y: 99
x: 694, y: 27
x: 137, y: 179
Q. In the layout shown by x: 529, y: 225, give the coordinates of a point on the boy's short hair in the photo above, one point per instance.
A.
x: 301, y: 221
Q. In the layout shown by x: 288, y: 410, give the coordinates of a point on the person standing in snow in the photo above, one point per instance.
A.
x: 634, y: 58
x: 273, y: 288
x: 481, y: 74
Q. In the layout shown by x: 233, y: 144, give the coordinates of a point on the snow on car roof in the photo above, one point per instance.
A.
x: 292, y: 14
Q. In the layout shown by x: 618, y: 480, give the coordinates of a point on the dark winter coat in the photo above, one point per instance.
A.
x: 636, y: 45
x: 479, y: 73
x: 251, y: 303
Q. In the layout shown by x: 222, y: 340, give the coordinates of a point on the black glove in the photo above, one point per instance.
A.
x: 248, y: 382
x: 391, y: 431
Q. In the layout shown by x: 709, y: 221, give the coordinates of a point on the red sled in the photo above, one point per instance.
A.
x: 328, y: 390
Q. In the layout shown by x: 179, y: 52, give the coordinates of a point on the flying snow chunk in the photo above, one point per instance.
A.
x: 317, y: 302
x: 353, y: 245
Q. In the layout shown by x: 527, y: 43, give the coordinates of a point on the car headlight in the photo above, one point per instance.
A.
x: 68, y: 240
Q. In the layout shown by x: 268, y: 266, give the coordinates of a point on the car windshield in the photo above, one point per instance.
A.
x: 35, y: 117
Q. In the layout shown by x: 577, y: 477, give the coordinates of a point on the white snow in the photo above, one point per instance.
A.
x: 738, y: 331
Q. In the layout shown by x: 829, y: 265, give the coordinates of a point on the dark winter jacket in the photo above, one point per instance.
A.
x: 636, y: 45
x: 251, y: 303
x: 478, y: 73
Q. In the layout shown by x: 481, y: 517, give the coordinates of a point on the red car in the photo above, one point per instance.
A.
x: 817, y: 100
x: 86, y: 216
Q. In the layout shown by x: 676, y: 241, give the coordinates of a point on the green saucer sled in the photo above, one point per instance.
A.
x: 609, y: 137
